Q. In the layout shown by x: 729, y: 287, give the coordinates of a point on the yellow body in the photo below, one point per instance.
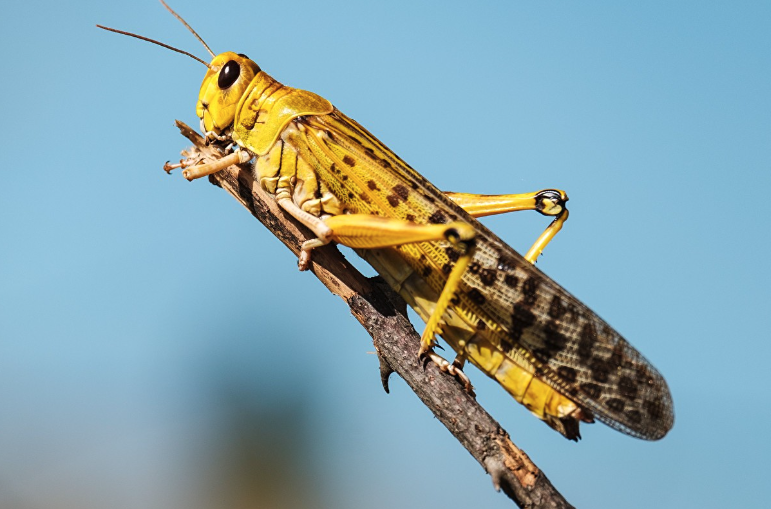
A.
x: 552, y: 353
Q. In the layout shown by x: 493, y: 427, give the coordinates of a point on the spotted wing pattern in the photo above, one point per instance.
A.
x: 572, y: 349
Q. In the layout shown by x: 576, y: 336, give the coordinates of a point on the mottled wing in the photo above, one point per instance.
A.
x: 572, y: 349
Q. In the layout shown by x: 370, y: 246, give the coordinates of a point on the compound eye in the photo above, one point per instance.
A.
x: 229, y: 74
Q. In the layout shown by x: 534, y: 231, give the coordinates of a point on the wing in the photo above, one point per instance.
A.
x: 572, y: 349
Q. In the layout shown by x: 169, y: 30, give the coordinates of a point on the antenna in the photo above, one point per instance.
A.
x: 189, y: 28
x: 172, y: 48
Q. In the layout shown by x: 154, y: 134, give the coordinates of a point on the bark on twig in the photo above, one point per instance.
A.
x: 383, y: 314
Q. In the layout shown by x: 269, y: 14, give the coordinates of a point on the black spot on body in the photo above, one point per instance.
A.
x: 350, y: 195
x: 488, y: 276
x: 476, y: 297
x: 425, y: 272
x: 447, y: 268
x: 556, y: 309
x: 521, y: 319
x: 350, y: 161
x: 627, y: 388
x: 401, y: 191
x: 437, y: 217
x: 333, y: 168
x: 452, y: 253
x: 615, y: 404
x: 634, y: 416
x: 474, y: 267
x: 410, y: 218
x: 481, y: 325
x: 567, y: 373
x: 586, y: 342
x: 654, y: 409
x: 617, y: 357
x: 553, y: 341
x: 600, y: 370
x: 511, y: 280
x: 530, y: 291
x: 591, y: 390
x: 506, y: 264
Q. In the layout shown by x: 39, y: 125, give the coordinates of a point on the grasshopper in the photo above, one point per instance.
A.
x: 490, y: 304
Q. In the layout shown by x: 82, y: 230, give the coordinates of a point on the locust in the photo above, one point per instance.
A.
x: 490, y: 304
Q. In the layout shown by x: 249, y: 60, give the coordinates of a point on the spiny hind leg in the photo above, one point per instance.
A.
x: 549, y: 202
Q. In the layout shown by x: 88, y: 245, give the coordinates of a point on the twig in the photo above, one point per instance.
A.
x: 383, y: 313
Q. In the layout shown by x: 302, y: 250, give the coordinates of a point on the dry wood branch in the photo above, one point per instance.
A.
x: 383, y: 313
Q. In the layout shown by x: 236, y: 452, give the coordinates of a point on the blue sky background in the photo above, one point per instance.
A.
x: 159, y: 349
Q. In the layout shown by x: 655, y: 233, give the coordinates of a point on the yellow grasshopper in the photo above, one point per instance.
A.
x: 490, y: 304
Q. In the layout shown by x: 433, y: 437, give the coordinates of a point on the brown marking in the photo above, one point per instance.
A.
x: 521, y: 319
x: 634, y: 416
x: 627, y: 388
x: 654, y: 409
x: 554, y: 341
x: 393, y: 200
x: 586, y: 342
x: 476, y: 297
x: 592, y: 390
x: 506, y: 264
x: 488, y: 276
x: 474, y: 267
x: 365, y: 198
x: 410, y: 218
x: 452, y: 254
x: 401, y: 191
x: 556, y: 308
x: 511, y: 280
x: 617, y: 357
x: 447, y: 268
x: 437, y: 217
x: 600, y: 370
x: 350, y: 161
x: 615, y: 404
x: 567, y: 373
x: 372, y: 185
x: 530, y: 291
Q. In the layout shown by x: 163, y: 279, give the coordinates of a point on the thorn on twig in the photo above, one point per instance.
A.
x: 385, y: 371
